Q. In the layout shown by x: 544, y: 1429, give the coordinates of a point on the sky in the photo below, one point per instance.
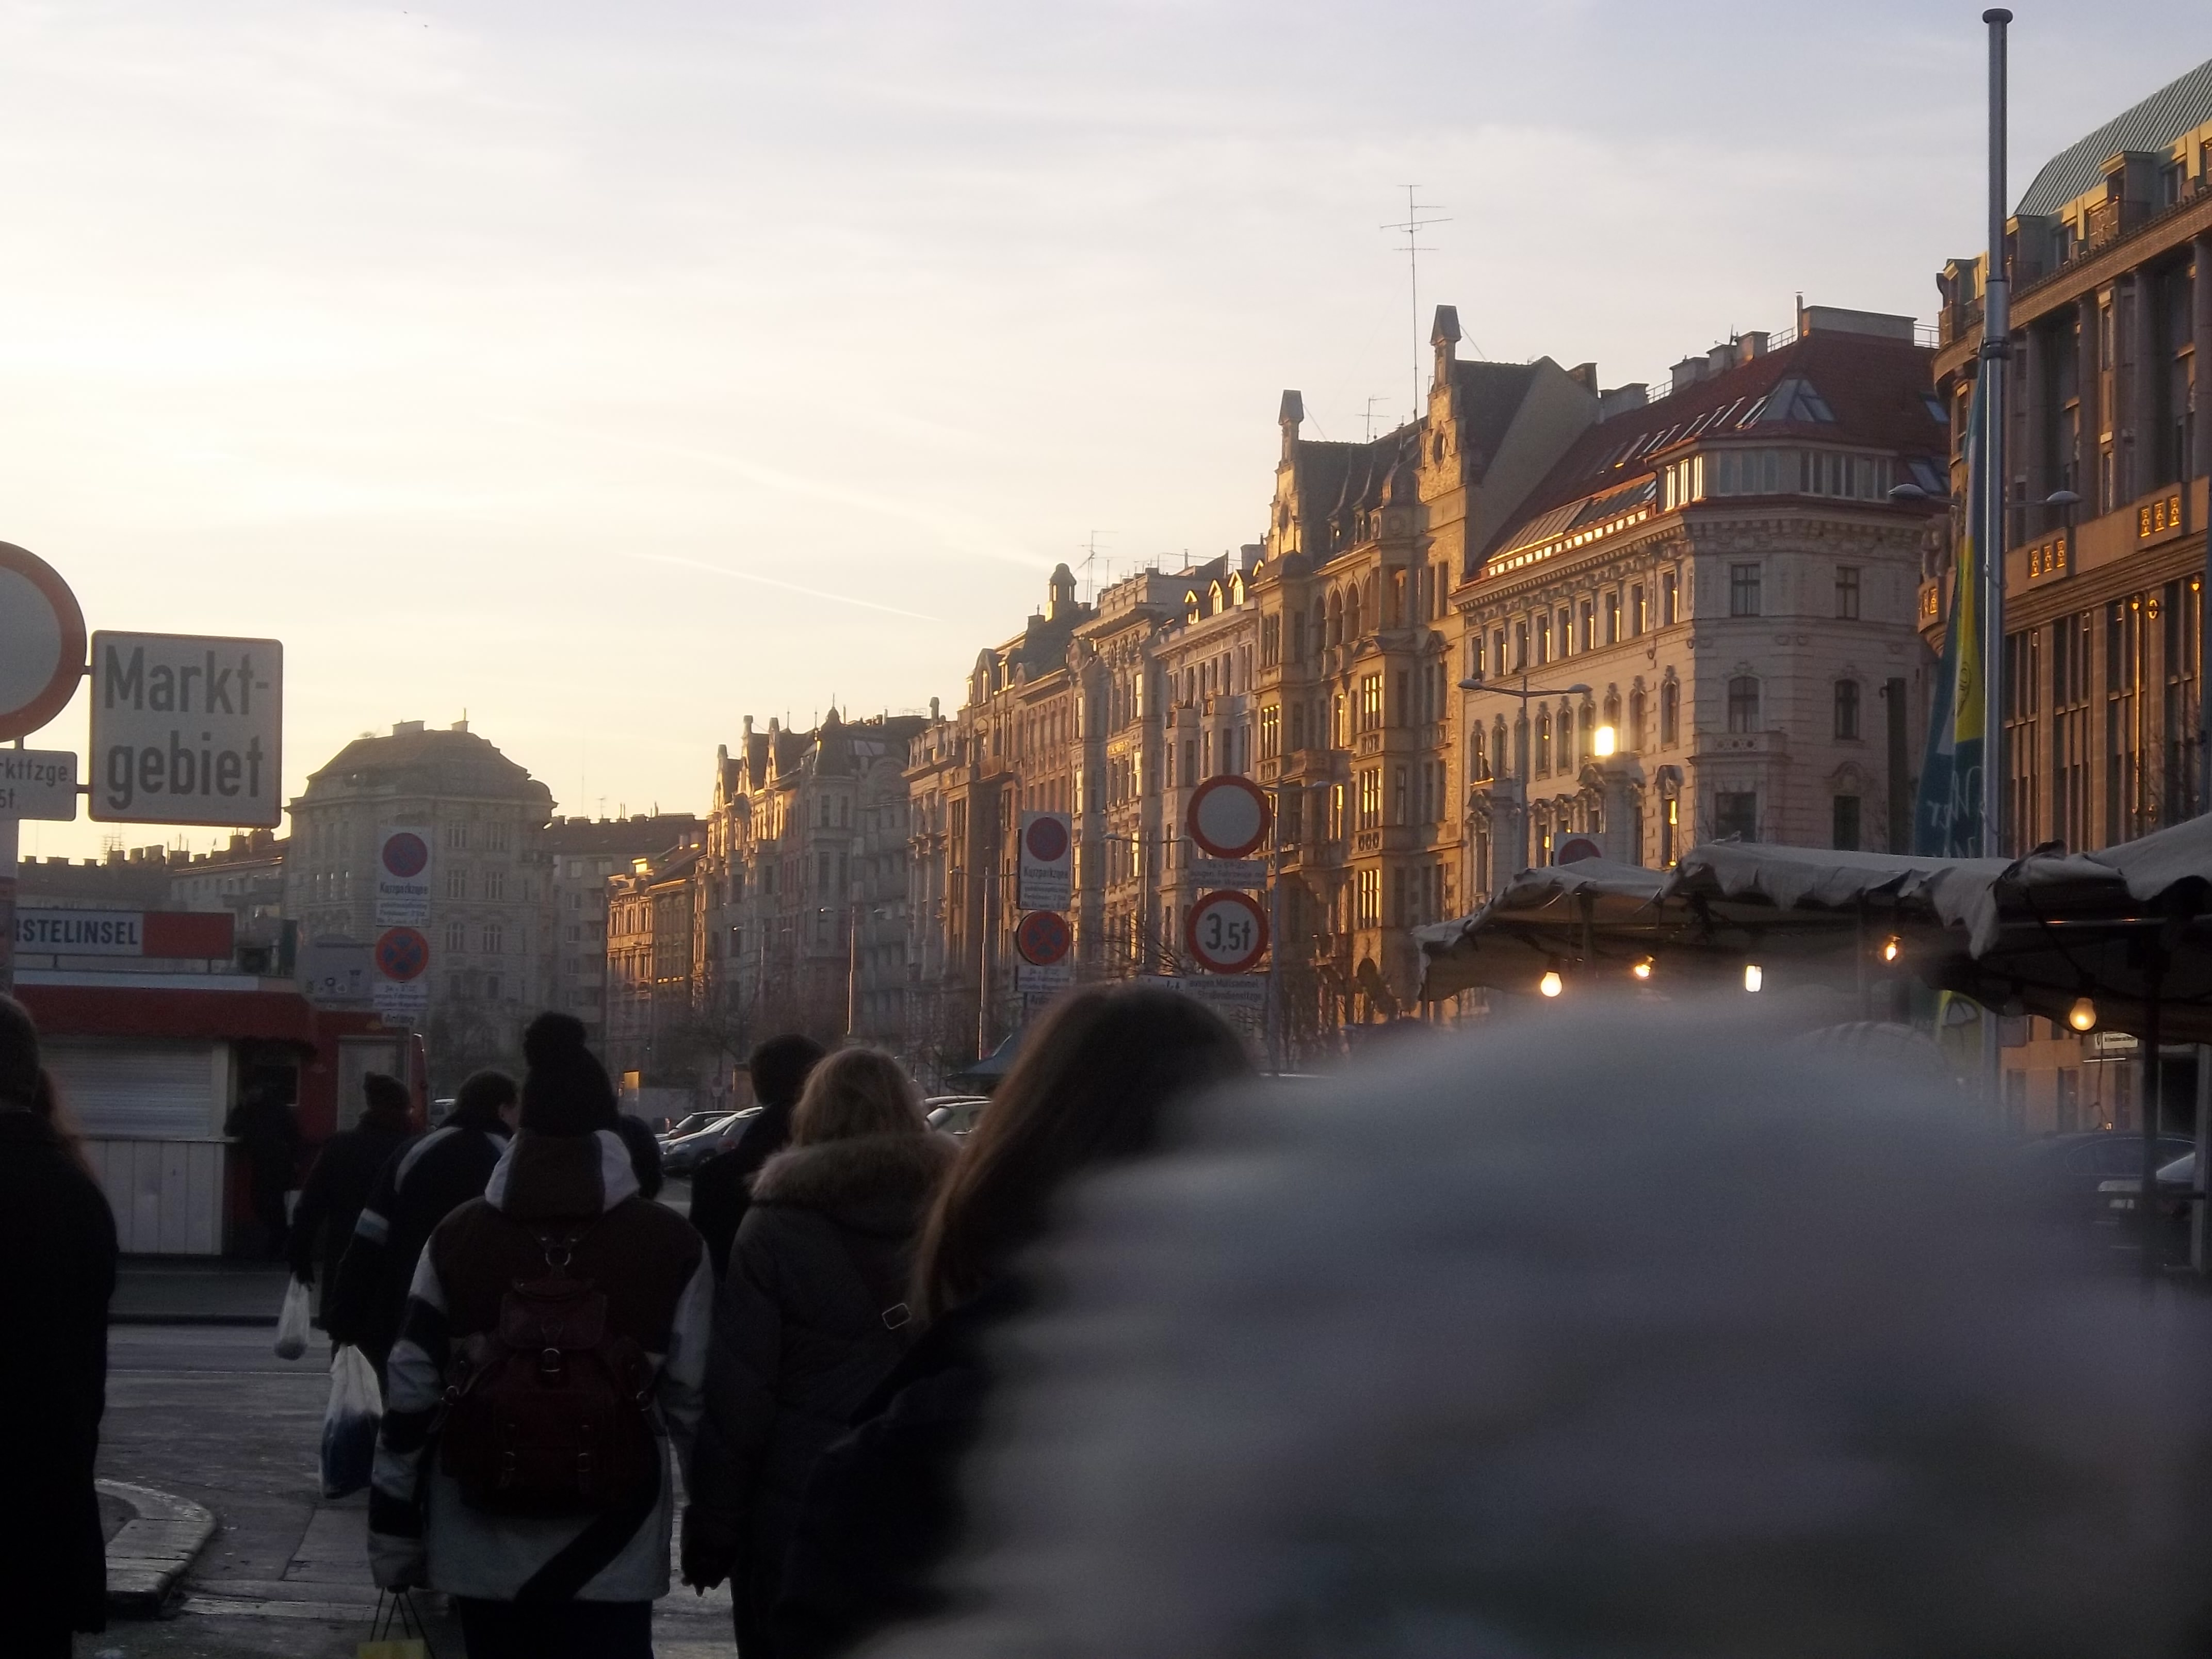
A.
x: 607, y: 374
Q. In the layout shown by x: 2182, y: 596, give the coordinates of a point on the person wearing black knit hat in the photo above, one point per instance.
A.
x: 544, y: 1570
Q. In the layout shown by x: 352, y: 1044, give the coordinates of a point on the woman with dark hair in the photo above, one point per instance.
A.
x: 1094, y: 1086
x: 812, y: 1314
x: 56, y: 1272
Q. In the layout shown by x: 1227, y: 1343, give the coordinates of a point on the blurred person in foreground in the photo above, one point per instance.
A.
x: 554, y: 1345
x: 812, y: 1314
x: 57, y: 1274
x: 1667, y: 1342
x: 420, y: 1185
x: 721, y: 1186
x: 1095, y: 1086
x: 267, y: 1128
x: 344, y: 1174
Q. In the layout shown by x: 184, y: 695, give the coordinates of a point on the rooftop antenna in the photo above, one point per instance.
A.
x: 1371, y: 402
x: 1413, y: 225
x: 1089, y: 558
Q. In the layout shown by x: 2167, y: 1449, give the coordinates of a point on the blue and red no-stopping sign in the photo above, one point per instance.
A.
x: 401, y: 954
x: 1042, y: 938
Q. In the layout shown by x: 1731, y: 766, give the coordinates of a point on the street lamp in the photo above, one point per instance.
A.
x: 1525, y: 693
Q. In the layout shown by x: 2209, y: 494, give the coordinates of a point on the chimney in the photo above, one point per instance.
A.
x: 406, y: 728
x: 933, y: 710
x: 1687, y: 373
x: 1288, y: 415
x: 1622, y: 398
x: 1750, y: 345
x: 1720, y: 359
x: 1585, y: 376
x: 461, y: 725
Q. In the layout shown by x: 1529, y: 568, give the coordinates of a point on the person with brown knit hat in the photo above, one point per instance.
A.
x: 555, y: 1340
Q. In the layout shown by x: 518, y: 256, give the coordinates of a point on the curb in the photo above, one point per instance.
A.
x: 153, y: 1549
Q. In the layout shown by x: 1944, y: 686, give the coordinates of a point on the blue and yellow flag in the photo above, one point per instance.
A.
x: 1947, y: 823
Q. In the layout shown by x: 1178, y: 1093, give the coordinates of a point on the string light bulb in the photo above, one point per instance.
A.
x: 1893, y: 948
x: 1550, y: 985
x: 2083, y: 1016
x: 1753, y: 977
x: 1643, y: 968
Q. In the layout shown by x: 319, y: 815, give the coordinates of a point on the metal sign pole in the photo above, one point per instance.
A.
x: 1997, y: 345
x: 8, y: 828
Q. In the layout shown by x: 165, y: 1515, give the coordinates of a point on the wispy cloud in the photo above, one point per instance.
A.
x: 775, y: 582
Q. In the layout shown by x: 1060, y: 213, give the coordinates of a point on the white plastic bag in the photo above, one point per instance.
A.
x: 350, y: 1423
x: 291, y: 1322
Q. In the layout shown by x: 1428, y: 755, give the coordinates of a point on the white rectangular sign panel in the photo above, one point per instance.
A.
x: 1045, y: 878
x: 401, y: 1000
x: 402, y: 877
x: 1229, y: 873
x: 1028, y: 976
x: 187, y: 729
x: 38, y: 783
x: 81, y: 932
x: 1223, y: 990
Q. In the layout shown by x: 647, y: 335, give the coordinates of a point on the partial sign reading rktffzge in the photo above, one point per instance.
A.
x: 186, y: 729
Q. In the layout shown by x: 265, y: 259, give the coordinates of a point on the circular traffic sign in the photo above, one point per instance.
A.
x: 42, y: 642
x: 1226, y: 932
x: 401, y: 954
x: 406, y: 854
x: 1042, y: 938
x: 1575, y: 848
x: 1047, y: 840
x: 1228, y: 817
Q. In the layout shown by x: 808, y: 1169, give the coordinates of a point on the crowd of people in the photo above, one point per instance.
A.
x: 1682, y: 1339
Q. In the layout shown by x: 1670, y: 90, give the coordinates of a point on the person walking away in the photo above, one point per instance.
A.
x: 57, y: 1274
x: 811, y: 1315
x: 721, y: 1185
x: 345, y: 1172
x: 263, y: 1121
x: 555, y: 1342
x: 420, y: 1185
x: 1095, y: 1086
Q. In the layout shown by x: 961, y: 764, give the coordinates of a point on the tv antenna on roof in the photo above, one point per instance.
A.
x: 1413, y: 225
x: 1090, y: 557
x: 1371, y: 402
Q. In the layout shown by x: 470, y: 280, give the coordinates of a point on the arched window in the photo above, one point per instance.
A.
x: 1612, y: 710
x: 1670, y: 713
x: 1544, y: 744
x: 1847, y: 708
x: 1743, y: 704
x: 1353, y: 631
x: 1336, y: 617
x: 1636, y: 712
x: 1478, y: 759
x: 1498, y: 755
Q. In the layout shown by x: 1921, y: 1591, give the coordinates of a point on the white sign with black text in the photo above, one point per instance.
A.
x: 402, y: 877
x: 38, y: 783
x: 187, y: 729
x: 1045, y: 875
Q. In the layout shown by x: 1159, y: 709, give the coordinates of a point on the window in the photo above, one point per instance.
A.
x: 1743, y: 704
x: 1271, y: 733
x: 1743, y: 590
x: 1586, y: 638
x: 1369, y: 913
x: 496, y: 837
x: 1477, y: 757
x: 495, y: 884
x: 1400, y: 806
x: 1370, y: 798
x: 1520, y: 647
x: 1371, y: 703
x: 457, y: 838
x: 1613, y: 619
x: 494, y: 938
x: 1639, y: 612
x: 456, y: 936
x: 1844, y: 836
x: 1636, y: 722
x: 1847, y: 710
x: 1544, y: 744
x: 1847, y: 592
x: 1474, y: 667
x: 491, y: 988
x: 1670, y: 599
x: 457, y: 881
x: 1735, y: 812
x: 1670, y: 713
x: 1544, y: 638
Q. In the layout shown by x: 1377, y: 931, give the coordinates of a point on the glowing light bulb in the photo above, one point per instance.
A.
x: 2083, y: 1016
x: 1605, y: 742
x: 1753, y: 977
x: 1890, y: 950
x: 1550, y: 985
x: 1642, y: 969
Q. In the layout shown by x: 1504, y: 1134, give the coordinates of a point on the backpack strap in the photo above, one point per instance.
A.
x: 888, y: 1294
x: 593, y: 1550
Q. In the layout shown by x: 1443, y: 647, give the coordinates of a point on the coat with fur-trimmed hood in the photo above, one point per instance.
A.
x: 810, y: 1318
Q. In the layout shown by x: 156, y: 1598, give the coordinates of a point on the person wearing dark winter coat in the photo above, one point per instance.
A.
x: 263, y: 1124
x: 419, y: 1186
x: 559, y: 1235
x: 56, y: 1272
x: 1095, y: 1086
x: 721, y: 1187
x: 813, y: 1313
x: 644, y: 1155
x: 345, y: 1173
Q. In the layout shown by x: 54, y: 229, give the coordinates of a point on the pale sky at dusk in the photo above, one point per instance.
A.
x: 612, y: 372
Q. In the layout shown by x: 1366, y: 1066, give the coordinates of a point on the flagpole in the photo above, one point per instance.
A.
x: 1996, y: 347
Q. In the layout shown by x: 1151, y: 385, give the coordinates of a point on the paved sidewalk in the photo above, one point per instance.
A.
x: 197, y: 1290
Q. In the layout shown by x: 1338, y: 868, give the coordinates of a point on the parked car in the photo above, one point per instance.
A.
x: 691, y: 1123
x: 682, y: 1155
x: 2121, y: 1197
x: 955, y: 1115
x: 2072, y: 1170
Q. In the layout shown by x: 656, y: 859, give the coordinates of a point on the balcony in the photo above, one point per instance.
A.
x: 1742, y: 745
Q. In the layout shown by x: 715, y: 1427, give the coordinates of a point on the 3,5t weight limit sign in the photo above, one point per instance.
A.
x: 1226, y: 933
x: 186, y: 729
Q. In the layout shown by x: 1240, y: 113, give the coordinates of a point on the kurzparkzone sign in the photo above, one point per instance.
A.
x: 187, y: 729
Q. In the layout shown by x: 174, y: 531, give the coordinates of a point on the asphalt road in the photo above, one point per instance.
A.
x: 209, y: 1412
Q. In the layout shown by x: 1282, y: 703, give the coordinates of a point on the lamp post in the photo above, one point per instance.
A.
x: 1526, y: 693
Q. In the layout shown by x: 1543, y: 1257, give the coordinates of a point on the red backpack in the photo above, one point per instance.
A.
x: 549, y: 1413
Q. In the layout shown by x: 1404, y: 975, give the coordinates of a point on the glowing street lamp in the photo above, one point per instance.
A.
x: 1753, y: 977
x: 2083, y: 1016
x: 1603, y: 741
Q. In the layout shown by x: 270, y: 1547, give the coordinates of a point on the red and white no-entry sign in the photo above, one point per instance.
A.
x: 1226, y: 933
x: 1228, y: 817
x: 42, y: 642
